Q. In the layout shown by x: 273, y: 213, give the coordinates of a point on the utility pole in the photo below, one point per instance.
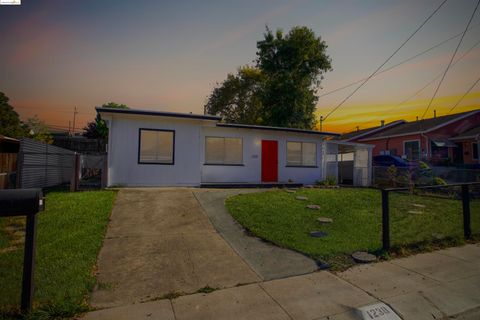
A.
x: 321, y: 123
x: 74, y: 116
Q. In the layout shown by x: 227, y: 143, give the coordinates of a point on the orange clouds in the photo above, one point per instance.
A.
x: 370, y: 115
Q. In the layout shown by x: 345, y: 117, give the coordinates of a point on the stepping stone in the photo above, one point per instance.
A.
x: 313, y: 207
x: 418, y: 205
x: 363, y: 257
x: 325, y: 220
x: 290, y: 191
x: 301, y: 198
x: 318, y: 234
x: 415, y: 212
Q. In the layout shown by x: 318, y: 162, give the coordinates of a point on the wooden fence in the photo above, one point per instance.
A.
x: 8, y: 165
x: 8, y: 162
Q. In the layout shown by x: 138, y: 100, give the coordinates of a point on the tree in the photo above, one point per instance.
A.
x: 289, y: 70
x: 114, y: 105
x: 239, y: 98
x: 38, y: 130
x: 97, y: 129
x: 10, y: 124
x: 293, y: 66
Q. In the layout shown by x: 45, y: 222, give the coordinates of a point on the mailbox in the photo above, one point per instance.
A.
x: 21, y: 202
x: 25, y: 202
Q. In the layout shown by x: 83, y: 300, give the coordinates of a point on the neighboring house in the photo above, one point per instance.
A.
x: 147, y: 148
x: 429, y: 139
x: 9, y: 145
x: 469, y: 142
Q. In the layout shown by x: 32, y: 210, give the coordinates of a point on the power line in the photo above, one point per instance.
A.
x: 385, y: 62
x: 398, y: 64
x: 465, y: 94
x: 451, y: 59
x: 429, y: 83
x: 434, y: 79
x: 59, y: 110
x: 56, y: 126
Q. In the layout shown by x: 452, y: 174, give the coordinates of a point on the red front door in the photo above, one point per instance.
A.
x: 269, y: 161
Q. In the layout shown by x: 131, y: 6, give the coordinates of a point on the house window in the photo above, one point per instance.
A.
x: 156, y: 146
x: 412, y: 149
x: 223, y: 151
x: 301, y: 154
x: 475, y: 150
x: 438, y: 152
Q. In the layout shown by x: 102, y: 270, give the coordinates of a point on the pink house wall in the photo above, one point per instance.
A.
x: 395, y: 143
x: 444, y: 132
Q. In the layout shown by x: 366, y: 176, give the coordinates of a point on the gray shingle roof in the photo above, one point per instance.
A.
x: 362, y: 132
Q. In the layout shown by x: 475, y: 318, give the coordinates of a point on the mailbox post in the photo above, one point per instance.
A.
x: 24, y: 202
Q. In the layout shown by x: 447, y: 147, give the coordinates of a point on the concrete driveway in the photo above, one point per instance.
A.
x: 269, y: 261
x: 160, y: 242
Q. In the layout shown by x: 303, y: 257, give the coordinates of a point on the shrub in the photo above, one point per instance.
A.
x: 329, y: 181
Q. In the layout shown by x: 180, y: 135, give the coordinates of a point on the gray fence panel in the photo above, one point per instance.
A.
x: 44, y: 165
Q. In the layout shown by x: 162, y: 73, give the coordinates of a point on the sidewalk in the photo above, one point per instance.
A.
x: 435, y: 285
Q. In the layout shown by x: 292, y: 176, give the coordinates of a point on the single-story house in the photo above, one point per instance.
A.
x: 149, y: 148
x: 428, y: 139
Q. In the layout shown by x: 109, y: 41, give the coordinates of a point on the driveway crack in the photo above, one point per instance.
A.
x: 190, y: 260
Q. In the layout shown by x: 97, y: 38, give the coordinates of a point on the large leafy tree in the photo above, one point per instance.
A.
x: 239, y: 98
x: 97, y: 129
x: 293, y: 65
x: 10, y: 124
x: 289, y: 70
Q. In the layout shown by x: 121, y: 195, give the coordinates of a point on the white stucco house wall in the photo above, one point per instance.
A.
x: 148, y: 148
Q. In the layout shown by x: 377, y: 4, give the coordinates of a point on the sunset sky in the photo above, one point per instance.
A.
x: 168, y: 55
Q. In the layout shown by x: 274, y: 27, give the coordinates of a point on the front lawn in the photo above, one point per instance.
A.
x: 278, y: 217
x: 69, y: 236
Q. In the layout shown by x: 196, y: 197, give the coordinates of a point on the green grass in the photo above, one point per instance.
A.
x: 278, y: 217
x: 69, y: 236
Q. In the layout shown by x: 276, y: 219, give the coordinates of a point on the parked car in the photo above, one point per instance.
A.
x: 388, y: 160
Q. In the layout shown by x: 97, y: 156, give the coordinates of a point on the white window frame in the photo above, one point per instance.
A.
x: 221, y: 163
x: 301, y: 154
x: 419, y: 148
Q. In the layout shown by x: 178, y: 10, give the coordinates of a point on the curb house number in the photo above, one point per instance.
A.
x: 378, y: 311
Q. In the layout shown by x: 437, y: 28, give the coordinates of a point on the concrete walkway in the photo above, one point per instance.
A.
x: 160, y: 242
x: 269, y: 261
x: 433, y: 285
